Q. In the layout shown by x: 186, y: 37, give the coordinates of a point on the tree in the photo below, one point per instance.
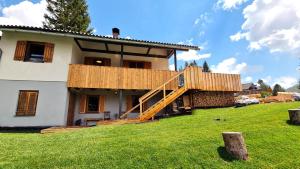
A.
x: 205, y: 67
x: 277, y: 88
x: 67, y: 15
x: 263, y: 85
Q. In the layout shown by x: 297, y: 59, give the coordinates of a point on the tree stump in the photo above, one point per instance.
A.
x: 294, y: 116
x: 234, y: 145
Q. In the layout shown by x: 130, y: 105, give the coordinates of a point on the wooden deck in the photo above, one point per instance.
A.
x: 61, y: 129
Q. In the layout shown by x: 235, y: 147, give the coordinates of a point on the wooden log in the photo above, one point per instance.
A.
x: 234, y: 145
x: 294, y: 116
x: 205, y: 99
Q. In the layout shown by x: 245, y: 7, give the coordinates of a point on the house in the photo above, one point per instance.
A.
x: 250, y: 88
x: 52, y: 77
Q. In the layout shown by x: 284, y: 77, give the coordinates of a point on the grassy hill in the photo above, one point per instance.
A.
x: 181, y: 142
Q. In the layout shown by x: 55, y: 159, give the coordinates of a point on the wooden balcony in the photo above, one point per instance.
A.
x: 102, y: 77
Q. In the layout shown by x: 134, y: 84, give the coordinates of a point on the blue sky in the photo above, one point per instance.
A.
x: 265, y: 46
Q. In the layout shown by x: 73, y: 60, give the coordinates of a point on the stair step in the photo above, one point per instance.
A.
x: 150, y: 112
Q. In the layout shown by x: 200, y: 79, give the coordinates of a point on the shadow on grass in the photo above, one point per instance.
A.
x: 292, y: 124
x: 20, y: 130
x: 224, y: 155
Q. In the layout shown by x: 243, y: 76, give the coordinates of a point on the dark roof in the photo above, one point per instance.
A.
x: 247, y: 85
x: 97, y: 37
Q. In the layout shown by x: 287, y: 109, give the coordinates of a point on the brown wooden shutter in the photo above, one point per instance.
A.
x: 147, y: 65
x: 48, y: 52
x: 22, y: 100
x: 82, y: 104
x: 32, y: 102
x: 101, y: 104
x: 129, y: 102
x: 20, y: 51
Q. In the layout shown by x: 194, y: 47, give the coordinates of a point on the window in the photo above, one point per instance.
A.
x: 35, y: 52
x: 93, y: 104
x: 27, y: 103
x: 137, y: 64
x: 38, y: 52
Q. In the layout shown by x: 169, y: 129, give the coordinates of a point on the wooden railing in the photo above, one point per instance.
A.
x: 193, y: 78
x: 102, y: 77
x: 196, y: 79
x: 154, y: 92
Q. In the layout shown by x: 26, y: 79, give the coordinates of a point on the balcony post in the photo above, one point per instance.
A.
x: 120, y: 90
x: 175, y: 59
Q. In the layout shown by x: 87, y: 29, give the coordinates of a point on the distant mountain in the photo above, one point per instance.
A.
x: 294, y: 88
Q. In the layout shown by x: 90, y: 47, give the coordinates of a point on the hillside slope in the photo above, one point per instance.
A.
x: 180, y: 142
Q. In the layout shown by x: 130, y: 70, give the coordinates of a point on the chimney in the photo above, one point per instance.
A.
x: 116, y: 32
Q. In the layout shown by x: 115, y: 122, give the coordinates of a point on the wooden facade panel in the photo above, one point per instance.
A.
x: 87, y: 76
x: 196, y: 79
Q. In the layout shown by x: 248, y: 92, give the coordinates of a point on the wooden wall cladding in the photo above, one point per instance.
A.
x: 86, y: 76
x: 194, y: 78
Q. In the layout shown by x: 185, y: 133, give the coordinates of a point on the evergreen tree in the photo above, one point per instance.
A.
x: 263, y: 85
x: 206, y: 67
x: 277, y: 88
x: 194, y: 63
x: 67, y: 15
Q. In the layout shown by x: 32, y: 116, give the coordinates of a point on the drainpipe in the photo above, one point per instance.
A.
x: 0, y: 54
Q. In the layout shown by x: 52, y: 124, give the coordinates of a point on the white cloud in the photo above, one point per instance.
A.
x: 230, y: 4
x: 24, y: 13
x: 267, y: 79
x: 203, y: 19
x: 238, y: 36
x: 172, y: 67
x: 128, y: 37
x: 274, y: 24
x: 229, y: 65
x: 192, y: 55
x: 285, y: 81
x: 247, y: 79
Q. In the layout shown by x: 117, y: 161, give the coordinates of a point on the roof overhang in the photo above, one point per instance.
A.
x: 146, y: 48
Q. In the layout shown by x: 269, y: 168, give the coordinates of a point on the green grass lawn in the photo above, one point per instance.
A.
x: 180, y: 142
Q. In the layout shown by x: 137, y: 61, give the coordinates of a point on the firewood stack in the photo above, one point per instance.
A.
x: 206, y: 99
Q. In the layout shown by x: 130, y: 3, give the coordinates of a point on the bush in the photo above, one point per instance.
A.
x: 265, y: 94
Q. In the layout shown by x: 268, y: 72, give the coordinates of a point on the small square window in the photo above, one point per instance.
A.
x: 35, y: 52
x: 93, y: 104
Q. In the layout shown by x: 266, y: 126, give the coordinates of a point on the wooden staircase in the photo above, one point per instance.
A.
x: 166, y: 99
x: 153, y: 110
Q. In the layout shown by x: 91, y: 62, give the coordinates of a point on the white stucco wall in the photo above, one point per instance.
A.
x: 18, y: 70
x: 51, y: 105
x: 157, y: 63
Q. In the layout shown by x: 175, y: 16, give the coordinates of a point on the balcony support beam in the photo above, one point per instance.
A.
x: 121, y: 91
x: 175, y: 59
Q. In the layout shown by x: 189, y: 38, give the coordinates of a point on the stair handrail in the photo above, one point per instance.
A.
x: 150, y: 94
x: 156, y: 89
x: 129, y: 111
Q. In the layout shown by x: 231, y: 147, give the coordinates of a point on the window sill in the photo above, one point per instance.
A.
x: 91, y: 112
x: 24, y: 115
